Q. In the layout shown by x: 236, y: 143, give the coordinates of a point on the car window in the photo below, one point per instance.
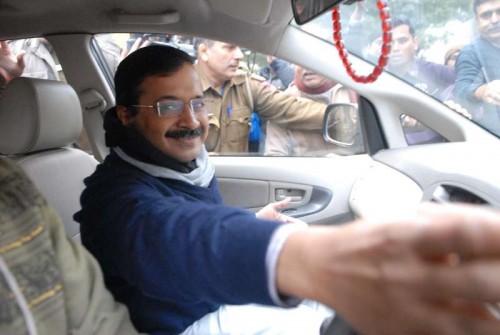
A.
x: 40, y: 59
x: 444, y: 51
x: 267, y: 112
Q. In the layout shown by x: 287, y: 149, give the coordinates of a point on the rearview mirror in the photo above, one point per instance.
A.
x: 306, y: 10
x: 340, y: 125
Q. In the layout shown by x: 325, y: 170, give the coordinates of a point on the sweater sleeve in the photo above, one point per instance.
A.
x: 469, y: 75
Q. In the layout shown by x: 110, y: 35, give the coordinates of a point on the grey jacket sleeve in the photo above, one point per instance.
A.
x: 91, y: 309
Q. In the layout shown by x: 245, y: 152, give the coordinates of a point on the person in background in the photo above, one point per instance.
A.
x: 478, y: 70
x: 39, y: 60
x: 451, y: 55
x: 153, y: 216
x: 281, y: 141
x: 233, y: 95
x: 278, y: 73
x: 50, y: 283
x: 11, y: 64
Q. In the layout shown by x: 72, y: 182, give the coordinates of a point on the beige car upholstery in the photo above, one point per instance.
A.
x: 39, y: 122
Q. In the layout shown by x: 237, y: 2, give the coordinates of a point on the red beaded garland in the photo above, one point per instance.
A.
x: 384, y: 51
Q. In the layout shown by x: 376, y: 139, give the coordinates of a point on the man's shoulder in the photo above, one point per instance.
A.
x: 243, y: 75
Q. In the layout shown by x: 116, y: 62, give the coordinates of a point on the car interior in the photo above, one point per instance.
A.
x: 41, y: 121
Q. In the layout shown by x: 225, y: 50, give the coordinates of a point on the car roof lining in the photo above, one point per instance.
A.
x: 25, y: 18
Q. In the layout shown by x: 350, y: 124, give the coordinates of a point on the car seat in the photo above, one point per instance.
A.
x: 39, y: 122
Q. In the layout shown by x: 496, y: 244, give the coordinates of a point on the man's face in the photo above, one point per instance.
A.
x: 182, y: 85
x: 223, y: 59
x: 404, y: 46
x: 309, y: 78
x: 488, y: 20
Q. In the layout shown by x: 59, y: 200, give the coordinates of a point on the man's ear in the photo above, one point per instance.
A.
x: 123, y: 115
x: 202, y: 51
x: 416, y: 41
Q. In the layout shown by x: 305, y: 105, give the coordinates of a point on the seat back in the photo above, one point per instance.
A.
x: 39, y: 122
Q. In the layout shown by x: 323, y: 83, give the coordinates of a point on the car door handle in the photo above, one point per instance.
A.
x: 295, y: 195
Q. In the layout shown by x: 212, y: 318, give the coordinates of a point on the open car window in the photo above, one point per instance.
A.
x: 264, y: 137
x: 446, y: 51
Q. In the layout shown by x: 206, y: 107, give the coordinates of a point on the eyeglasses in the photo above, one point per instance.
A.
x: 486, y: 15
x: 168, y: 108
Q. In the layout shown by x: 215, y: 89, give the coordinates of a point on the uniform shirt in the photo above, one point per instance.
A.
x: 230, y: 111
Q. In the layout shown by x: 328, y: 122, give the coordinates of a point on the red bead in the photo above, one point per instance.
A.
x: 387, y: 37
x: 386, y: 49
x: 337, y: 26
x: 384, y: 14
x: 337, y: 37
x: 382, y: 61
x: 386, y: 25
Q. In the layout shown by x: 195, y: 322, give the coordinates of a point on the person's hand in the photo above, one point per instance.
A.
x: 432, y: 273
x: 458, y: 108
x: 489, y: 92
x: 138, y: 43
x: 272, y: 212
x: 359, y: 12
x: 11, y: 65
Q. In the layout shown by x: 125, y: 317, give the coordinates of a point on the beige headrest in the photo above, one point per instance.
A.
x: 38, y: 114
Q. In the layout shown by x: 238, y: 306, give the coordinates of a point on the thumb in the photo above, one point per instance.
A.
x: 20, y: 59
x: 281, y: 204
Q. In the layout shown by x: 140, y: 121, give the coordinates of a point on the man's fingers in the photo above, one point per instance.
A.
x: 281, y: 204
x: 20, y: 60
x: 462, y: 318
x: 473, y: 280
x: 467, y: 231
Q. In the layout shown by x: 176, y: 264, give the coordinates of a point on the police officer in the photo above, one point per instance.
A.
x: 234, y: 94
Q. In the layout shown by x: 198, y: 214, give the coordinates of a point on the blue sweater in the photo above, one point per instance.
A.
x: 171, y: 251
x: 478, y: 64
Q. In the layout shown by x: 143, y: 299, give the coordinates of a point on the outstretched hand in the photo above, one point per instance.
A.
x: 11, y: 65
x: 273, y: 212
x: 433, y: 273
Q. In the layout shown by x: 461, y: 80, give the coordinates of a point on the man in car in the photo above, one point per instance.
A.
x: 235, y: 94
x: 153, y: 216
x: 49, y: 283
x: 478, y: 70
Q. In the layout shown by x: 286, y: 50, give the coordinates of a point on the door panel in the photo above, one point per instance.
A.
x: 319, y: 186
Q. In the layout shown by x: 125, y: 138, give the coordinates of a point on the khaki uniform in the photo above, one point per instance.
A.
x: 281, y: 141
x: 231, y: 109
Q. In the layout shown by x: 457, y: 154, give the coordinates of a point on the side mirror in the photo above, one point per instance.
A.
x: 341, y: 125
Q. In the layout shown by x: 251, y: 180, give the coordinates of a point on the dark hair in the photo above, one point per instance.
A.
x: 477, y: 3
x: 149, y: 61
x: 401, y: 20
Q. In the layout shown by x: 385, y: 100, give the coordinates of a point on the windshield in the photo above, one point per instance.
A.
x: 449, y: 49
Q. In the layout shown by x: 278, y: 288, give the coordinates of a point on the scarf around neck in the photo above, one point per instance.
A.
x: 131, y: 146
x: 318, y: 90
x: 200, y: 176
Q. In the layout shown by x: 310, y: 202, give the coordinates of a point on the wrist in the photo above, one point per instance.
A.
x: 479, y: 93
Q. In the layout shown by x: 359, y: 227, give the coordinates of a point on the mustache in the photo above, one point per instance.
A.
x: 493, y: 26
x: 185, y: 133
